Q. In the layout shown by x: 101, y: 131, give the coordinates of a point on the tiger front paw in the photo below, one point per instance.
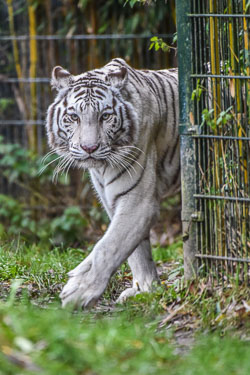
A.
x: 84, y: 286
x: 127, y: 293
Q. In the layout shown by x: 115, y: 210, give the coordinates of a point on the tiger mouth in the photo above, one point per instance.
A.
x: 90, y: 161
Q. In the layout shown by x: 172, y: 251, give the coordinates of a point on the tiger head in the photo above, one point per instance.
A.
x: 90, y: 119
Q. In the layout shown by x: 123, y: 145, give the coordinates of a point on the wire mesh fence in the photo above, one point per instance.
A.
x: 216, y: 124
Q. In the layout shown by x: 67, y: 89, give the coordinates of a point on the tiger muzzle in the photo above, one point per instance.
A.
x: 90, y: 148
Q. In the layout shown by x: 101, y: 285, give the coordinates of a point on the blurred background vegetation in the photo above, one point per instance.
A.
x: 80, y: 35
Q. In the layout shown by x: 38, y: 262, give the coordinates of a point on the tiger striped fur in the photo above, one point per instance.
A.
x: 121, y: 124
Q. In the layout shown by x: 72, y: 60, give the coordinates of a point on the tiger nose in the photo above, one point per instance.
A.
x: 90, y: 148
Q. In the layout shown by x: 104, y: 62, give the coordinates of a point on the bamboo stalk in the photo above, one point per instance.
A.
x: 93, y: 53
x: 32, y: 129
x: 14, y: 41
x: 245, y: 208
x: 215, y: 69
x: 16, y: 56
x: 50, y: 52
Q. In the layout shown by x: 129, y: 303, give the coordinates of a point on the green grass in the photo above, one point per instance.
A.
x: 52, y: 341
x: 143, y: 336
x: 41, y: 269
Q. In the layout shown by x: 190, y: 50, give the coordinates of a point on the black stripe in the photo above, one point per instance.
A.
x: 98, y: 71
x: 60, y: 131
x: 81, y: 98
x: 99, y: 182
x: 168, y: 73
x: 117, y: 176
x: 172, y: 77
x: 173, y: 105
x: 161, y: 164
x: 134, y: 72
x: 136, y: 88
x: 150, y: 85
x: 51, y: 116
x: 176, y: 176
x: 98, y: 92
x: 123, y: 171
x: 174, y: 150
x: 65, y: 102
x: 80, y: 94
x: 131, y: 125
x: 58, y: 115
x: 121, y: 121
x: 175, y: 70
x: 156, y: 90
x: 89, y: 80
x: 127, y: 191
x: 162, y: 85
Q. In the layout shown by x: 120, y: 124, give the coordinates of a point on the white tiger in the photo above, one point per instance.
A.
x: 121, y: 124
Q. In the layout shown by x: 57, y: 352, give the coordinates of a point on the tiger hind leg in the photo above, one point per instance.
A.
x: 143, y: 269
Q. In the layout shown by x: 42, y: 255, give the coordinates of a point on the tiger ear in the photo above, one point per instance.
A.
x: 60, y: 78
x: 118, y: 77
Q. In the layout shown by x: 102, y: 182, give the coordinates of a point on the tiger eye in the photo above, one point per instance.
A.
x: 74, y: 117
x: 105, y: 116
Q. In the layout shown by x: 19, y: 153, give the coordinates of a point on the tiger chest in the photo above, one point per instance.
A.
x: 109, y: 188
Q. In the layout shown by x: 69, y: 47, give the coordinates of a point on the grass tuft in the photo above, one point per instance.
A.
x: 183, y: 328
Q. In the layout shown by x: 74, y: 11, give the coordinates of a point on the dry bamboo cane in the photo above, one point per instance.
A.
x: 14, y: 41
x: 215, y: 69
x: 16, y: 56
x: 234, y: 59
x: 32, y: 129
x: 246, y: 182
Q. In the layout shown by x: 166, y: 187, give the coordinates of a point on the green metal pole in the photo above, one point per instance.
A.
x: 187, y: 143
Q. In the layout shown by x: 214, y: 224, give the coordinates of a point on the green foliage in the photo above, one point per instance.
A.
x: 143, y: 2
x: 5, y: 104
x: 22, y: 215
x: 69, y: 225
x: 222, y: 119
x: 196, y: 93
x: 19, y: 220
x: 175, y: 38
x: 172, y: 252
x: 18, y: 163
x: 158, y: 43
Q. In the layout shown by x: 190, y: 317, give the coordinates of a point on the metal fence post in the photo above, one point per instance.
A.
x: 187, y: 143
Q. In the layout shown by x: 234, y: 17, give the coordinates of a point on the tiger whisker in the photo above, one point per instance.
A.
x: 45, y: 166
x: 112, y: 164
x: 60, y: 167
x: 137, y: 148
x: 122, y: 162
x: 115, y: 162
x: 127, y: 162
x: 51, y: 152
x: 129, y: 152
x: 65, y: 167
x: 127, y: 157
x: 64, y: 164
x: 68, y: 168
x: 45, y: 157
x: 132, y: 159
